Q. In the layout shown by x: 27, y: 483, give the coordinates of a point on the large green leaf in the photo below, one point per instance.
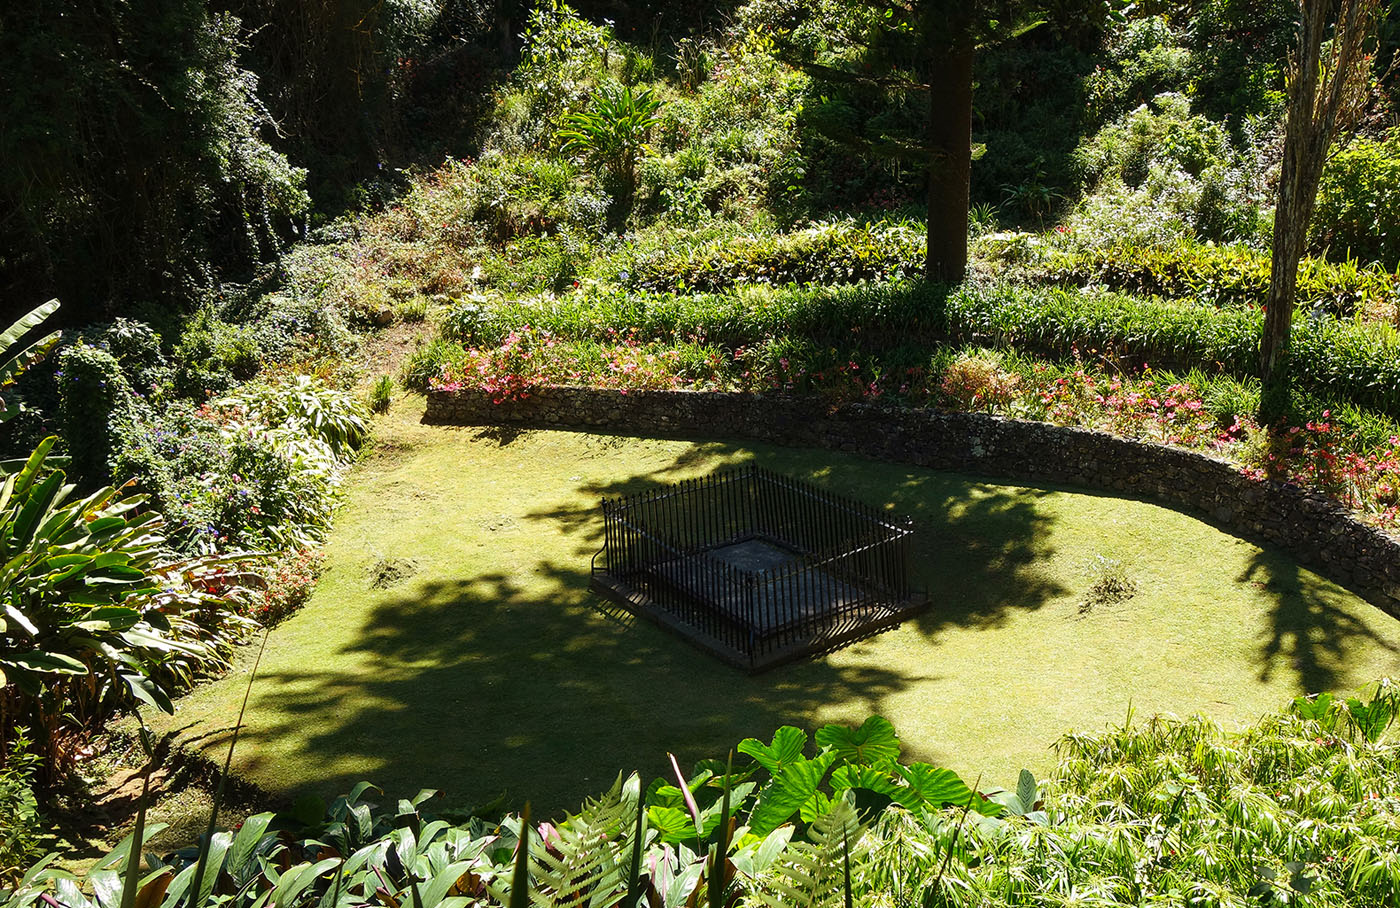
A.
x: 873, y: 744
x: 13, y: 365
x: 672, y: 824
x: 25, y: 478
x: 21, y: 619
x: 32, y: 319
x: 47, y: 663
x: 867, y: 777
x: 36, y: 506
x: 929, y: 786
x: 108, y: 618
x: 789, y: 790
x: 786, y: 749
x: 148, y: 692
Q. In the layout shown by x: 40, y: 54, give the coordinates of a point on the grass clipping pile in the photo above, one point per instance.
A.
x: 1109, y: 584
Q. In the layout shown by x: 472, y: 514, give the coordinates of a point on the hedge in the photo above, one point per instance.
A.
x: 837, y: 253
x: 1220, y: 276
x: 1346, y: 358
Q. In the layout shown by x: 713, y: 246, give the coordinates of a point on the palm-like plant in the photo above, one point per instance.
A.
x: 91, y: 616
x: 13, y: 363
x: 612, y: 133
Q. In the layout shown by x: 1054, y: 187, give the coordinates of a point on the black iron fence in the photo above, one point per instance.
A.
x: 756, y: 566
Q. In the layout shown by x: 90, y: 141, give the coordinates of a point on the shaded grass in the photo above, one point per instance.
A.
x: 491, y: 668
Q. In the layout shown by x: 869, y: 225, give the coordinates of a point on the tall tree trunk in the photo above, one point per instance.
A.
x: 950, y: 165
x: 1297, y: 193
x: 1326, y: 93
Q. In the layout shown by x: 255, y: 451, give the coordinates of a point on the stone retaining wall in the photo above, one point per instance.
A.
x: 1312, y: 528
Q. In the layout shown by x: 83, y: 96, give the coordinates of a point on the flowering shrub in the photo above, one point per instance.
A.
x: 1143, y: 407
x: 228, y: 482
x: 1321, y: 455
x: 974, y: 382
x: 507, y: 372
x: 290, y: 580
x: 529, y: 357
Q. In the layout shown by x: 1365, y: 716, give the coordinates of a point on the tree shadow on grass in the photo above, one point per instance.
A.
x: 981, y: 551
x: 1308, y: 625
x: 529, y: 685
x: 483, y: 688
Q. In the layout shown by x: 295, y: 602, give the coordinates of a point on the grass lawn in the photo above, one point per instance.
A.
x: 488, y: 669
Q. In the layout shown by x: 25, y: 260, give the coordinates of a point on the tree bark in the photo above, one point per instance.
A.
x: 1326, y: 93
x: 950, y: 164
x: 1297, y: 191
x: 1290, y: 239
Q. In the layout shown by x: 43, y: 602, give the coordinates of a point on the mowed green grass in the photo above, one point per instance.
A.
x: 492, y: 670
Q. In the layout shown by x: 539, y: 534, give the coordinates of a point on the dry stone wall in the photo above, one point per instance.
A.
x: 1311, y: 527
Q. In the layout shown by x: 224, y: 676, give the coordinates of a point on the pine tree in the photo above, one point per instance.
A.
x: 922, y: 49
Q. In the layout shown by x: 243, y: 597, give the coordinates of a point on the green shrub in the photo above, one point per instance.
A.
x: 1165, y: 134
x: 381, y: 394
x: 1238, y: 50
x: 504, y: 197
x: 119, y: 187
x: 412, y: 311
x: 471, y: 321
x: 1148, y: 811
x: 92, y: 393
x: 226, y: 481
x: 20, y: 824
x: 1173, y: 174
x: 136, y: 346
x: 1109, y: 583
x: 97, y: 617
x: 835, y: 253
x: 430, y: 361
x: 611, y: 132
x: 1219, y: 276
x: 1144, y: 58
x: 1358, y: 203
x: 305, y: 405
x: 537, y: 263
x: 563, y: 58
x: 735, y: 146
x: 1342, y: 359
x: 170, y: 454
x: 213, y: 355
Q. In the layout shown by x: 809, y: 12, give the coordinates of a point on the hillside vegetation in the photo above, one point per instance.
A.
x: 270, y: 223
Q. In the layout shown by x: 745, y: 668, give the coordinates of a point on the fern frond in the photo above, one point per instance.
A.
x: 812, y: 874
x: 586, y: 863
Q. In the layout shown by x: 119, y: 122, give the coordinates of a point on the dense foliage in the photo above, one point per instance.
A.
x: 1299, y: 809
x: 633, y: 207
x: 96, y: 617
x: 132, y: 175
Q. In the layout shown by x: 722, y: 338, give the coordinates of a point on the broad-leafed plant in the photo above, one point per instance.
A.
x: 612, y: 132
x: 14, y: 362
x: 93, y: 617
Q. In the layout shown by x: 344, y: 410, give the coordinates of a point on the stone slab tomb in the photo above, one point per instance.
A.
x: 755, y: 567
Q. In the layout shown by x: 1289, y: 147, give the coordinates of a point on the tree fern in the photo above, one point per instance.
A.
x: 812, y: 874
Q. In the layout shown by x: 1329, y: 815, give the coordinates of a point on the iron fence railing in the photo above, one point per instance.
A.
x: 755, y: 565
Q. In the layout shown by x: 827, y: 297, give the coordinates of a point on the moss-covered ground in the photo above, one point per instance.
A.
x: 453, y: 644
